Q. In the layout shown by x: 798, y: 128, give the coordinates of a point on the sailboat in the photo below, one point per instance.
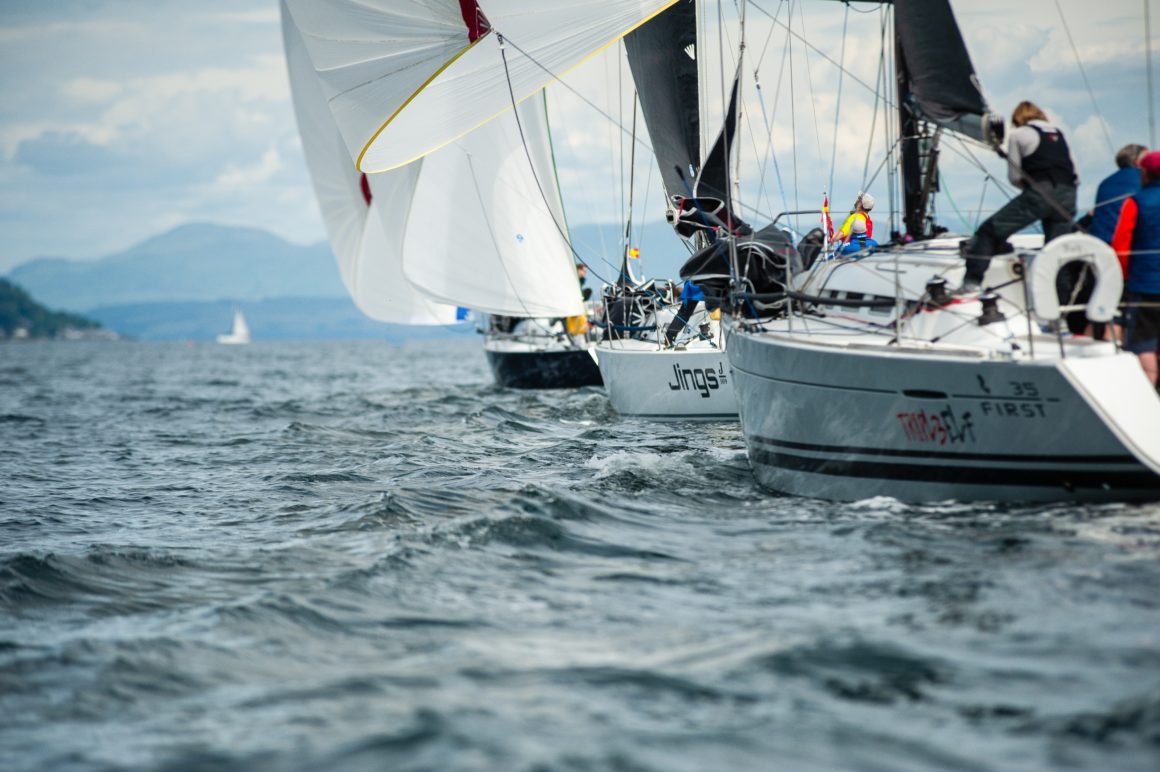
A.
x: 661, y: 357
x: 239, y: 333
x: 468, y: 206
x: 865, y: 377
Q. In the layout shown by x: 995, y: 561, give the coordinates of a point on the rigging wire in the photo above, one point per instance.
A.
x: 838, y: 103
x: 878, y: 82
x: 793, y: 122
x: 979, y: 211
x: 943, y: 182
x: 894, y: 175
x: 1151, y: 90
x: 567, y: 86
x: 1083, y: 73
x: 789, y: 31
x: 528, y: 153
x: 810, y: 81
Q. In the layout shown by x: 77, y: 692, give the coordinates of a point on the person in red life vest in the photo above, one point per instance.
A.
x: 1137, y: 244
x: 1040, y: 163
x: 862, y: 206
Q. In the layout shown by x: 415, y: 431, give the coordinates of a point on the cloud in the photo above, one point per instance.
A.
x: 234, y: 177
x: 90, y: 90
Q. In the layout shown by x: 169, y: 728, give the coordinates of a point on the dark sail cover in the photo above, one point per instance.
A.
x: 934, y: 60
x: 661, y: 56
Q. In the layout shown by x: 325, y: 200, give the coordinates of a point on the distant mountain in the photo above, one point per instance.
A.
x: 198, y: 262
x: 23, y: 317
x: 184, y: 284
x: 269, y: 320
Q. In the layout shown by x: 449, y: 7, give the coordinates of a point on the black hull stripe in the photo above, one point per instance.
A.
x: 991, y: 476
x: 831, y: 386
x: 949, y: 456
x: 686, y: 416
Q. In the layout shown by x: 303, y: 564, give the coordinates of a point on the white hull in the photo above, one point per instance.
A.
x: 843, y: 422
x: 642, y: 380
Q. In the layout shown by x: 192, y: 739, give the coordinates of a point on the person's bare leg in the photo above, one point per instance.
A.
x: 1148, y: 361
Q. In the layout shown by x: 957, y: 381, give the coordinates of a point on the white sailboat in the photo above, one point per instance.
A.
x: 661, y: 358
x: 239, y: 333
x: 475, y: 221
x: 866, y: 378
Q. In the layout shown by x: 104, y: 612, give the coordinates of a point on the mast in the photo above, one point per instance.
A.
x: 918, y: 155
x: 913, y: 207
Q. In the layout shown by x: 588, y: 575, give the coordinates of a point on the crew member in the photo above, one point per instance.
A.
x: 1137, y: 243
x: 862, y: 206
x: 1101, y: 223
x: 859, y: 241
x: 1114, y: 189
x: 1040, y: 163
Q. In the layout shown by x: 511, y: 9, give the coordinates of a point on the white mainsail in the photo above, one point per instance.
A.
x: 441, y: 60
x: 366, y: 235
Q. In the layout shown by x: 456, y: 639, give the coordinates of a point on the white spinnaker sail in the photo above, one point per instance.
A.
x: 404, y: 79
x: 367, y: 238
x: 480, y: 233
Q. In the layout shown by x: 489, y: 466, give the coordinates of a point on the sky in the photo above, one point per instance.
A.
x: 120, y: 119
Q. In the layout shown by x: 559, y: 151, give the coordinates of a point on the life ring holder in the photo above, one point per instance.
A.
x: 1075, y: 247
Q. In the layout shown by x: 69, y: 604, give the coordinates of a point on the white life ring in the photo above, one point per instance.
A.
x: 1070, y: 248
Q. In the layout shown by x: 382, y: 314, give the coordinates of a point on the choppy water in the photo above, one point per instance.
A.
x: 362, y: 556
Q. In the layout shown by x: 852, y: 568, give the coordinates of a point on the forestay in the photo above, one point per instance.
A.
x: 366, y: 236
x: 441, y: 61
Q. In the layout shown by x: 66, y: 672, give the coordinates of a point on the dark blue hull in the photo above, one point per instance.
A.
x: 544, y: 369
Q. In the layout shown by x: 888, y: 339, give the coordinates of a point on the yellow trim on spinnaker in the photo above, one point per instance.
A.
x: 406, y: 102
x: 453, y: 59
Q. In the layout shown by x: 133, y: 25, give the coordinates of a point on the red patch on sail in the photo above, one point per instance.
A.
x: 365, y: 186
x: 477, y: 23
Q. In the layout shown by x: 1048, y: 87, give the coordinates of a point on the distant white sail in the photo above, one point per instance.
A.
x: 467, y: 226
x: 404, y: 79
x: 240, y: 333
x: 365, y: 217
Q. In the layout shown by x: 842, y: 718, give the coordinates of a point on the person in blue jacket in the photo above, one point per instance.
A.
x: 1114, y: 189
x: 1101, y: 223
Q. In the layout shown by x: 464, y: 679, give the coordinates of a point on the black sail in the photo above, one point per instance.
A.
x: 936, y: 69
x: 713, y: 180
x: 661, y: 55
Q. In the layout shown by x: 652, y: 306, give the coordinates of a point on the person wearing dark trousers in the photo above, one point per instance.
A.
x: 1040, y: 163
x: 1137, y: 244
x: 1075, y: 282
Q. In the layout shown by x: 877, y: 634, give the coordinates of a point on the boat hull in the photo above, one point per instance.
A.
x: 543, y: 369
x: 845, y: 424
x: 642, y: 380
